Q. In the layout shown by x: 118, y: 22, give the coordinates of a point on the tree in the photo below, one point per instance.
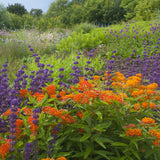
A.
x: 146, y: 9
x: 17, y: 9
x: 129, y: 7
x: 5, y: 19
x: 36, y: 12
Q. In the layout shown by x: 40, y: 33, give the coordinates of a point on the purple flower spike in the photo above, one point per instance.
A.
x: 31, y: 49
x: 61, y: 69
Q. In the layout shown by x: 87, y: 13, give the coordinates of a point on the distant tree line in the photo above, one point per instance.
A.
x: 66, y: 13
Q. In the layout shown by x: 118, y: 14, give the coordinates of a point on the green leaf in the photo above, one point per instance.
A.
x: 99, y: 114
x: 19, y: 144
x: 99, y: 142
x: 85, y: 137
x: 119, y: 144
x: 64, y: 154
x: 103, y: 126
x: 135, y: 154
x: 87, y: 152
x: 103, y: 154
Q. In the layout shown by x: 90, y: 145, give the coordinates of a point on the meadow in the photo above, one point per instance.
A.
x: 87, y: 93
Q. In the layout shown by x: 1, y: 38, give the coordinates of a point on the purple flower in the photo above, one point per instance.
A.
x: 79, y: 53
x: 31, y: 49
x: 61, y: 69
x: 90, y: 55
x: 114, y: 51
x: 29, y: 46
x: 76, y: 62
x: 60, y: 75
x: 88, y: 62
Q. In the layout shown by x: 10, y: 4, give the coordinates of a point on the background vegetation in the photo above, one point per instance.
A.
x: 65, y: 13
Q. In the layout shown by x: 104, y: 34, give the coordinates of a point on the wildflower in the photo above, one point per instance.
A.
x: 147, y: 120
x: 153, y: 105
x: 61, y: 158
x: 137, y: 106
x: 23, y: 92
x: 51, y: 89
x: 19, y: 124
x: 152, y: 86
x: 96, y: 78
x: 145, y: 105
x: 4, y: 148
x: 27, y: 111
x: 79, y: 114
x: 134, y: 132
x: 130, y: 126
x: 39, y: 96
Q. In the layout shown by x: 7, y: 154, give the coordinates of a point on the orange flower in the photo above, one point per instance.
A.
x: 137, y: 106
x: 156, y: 142
x: 4, y: 148
x: 135, y: 94
x: 39, y: 96
x: 153, y: 105
x: 79, y: 114
x: 147, y: 120
x: 85, y: 85
x: 46, y: 109
x: 19, y: 124
x: 152, y: 86
x: 8, y: 112
x: 139, y: 75
x: 134, y: 132
x: 70, y: 96
x: 33, y: 127
x: 51, y: 89
x: 96, y: 78
x: 27, y: 111
x: 61, y: 158
x: 145, y: 105
x: 47, y: 159
x: 67, y: 118
x: 23, y: 92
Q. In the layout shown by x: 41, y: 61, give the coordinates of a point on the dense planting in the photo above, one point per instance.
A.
x: 85, y: 106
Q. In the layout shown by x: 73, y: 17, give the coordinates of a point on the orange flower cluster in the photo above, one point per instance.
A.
x: 27, y: 111
x: 109, y: 96
x: 4, y: 148
x: 39, y: 96
x: 60, y: 158
x: 85, y: 85
x: 59, y: 114
x: 8, y: 112
x: 51, y: 89
x: 147, y: 120
x: 33, y: 127
x: 133, y: 132
x: 155, y: 133
x: 86, y: 97
x: 79, y: 114
x: 23, y: 92
x: 19, y: 124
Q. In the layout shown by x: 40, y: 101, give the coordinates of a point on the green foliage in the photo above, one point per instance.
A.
x: 5, y: 19
x: 36, y: 12
x: 129, y: 6
x: 17, y: 9
x: 84, y: 27
x: 17, y: 21
x: 145, y: 10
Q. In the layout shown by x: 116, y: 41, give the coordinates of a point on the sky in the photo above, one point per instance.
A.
x: 29, y: 4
